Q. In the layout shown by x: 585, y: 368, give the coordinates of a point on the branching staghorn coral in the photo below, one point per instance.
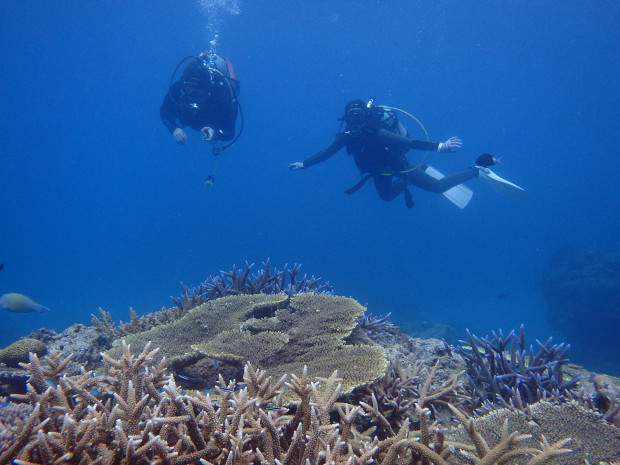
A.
x: 378, y: 328
x: 12, y: 417
x: 133, y: 413
x: 428, y: 445
x: 235, y: 282
x: 404, y: 393
x: 501, y: 375
x: 136, y: 324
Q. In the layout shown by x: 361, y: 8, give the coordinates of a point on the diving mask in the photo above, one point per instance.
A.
x: 355, y: 118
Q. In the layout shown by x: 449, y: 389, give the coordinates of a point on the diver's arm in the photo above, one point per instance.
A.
x: 335, y: 146
x: 404, y: 142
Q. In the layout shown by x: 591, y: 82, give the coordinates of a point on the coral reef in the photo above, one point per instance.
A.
x: 277, y: 333
x: 84, y: 343
x: 133, y: 413
x: 17, y: 352
x: 241, y: 335
x: 582, y: 289
x: 501, y: 375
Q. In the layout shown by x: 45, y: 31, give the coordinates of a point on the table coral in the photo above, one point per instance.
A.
x: 278, y: 333
x: 268, y: 280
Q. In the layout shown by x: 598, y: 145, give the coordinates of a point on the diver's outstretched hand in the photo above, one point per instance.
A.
x: 451, y: 145
x: 179, y: 136
x: 298, y: 165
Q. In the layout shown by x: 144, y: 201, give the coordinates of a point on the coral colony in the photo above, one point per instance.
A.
x: 134, y: 413
x: 236, y: 282
x: 500, y: 374
x: 270, y: 368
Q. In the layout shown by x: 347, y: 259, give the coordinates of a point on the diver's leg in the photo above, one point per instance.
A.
x: 421, y: 179
x: 387, y: 187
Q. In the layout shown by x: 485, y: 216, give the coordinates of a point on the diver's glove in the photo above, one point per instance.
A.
x: 451, y: 145
x: 298, y: 165
x: 179, y: 136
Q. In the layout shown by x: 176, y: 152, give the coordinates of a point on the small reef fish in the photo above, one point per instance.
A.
x: 277, y: 409
x: 486, y: 159
x: 19, y: 303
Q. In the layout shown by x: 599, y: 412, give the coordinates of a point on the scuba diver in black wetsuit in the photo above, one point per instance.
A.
x: 378, y: 142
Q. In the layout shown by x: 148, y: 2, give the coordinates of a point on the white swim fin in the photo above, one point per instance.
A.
x: 459, y: 195
x: 502, y: 185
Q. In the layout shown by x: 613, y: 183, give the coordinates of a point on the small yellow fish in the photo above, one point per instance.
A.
x: 19, y: 303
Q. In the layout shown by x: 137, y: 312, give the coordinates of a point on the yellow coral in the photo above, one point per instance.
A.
x: 276, y: 334
x: 200, y: 324
x: 243, y: 346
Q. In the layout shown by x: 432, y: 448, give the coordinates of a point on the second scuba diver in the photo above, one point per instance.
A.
x: 378, y: 142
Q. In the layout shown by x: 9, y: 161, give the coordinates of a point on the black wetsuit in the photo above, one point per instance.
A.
x: 381, y: 154
x: 217, y: 110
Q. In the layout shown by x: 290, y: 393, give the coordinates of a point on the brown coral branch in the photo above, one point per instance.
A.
x: 32, y: 425
x: 374, y: 411
x: 550, y: 452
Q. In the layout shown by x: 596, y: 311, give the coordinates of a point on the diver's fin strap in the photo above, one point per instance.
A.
x: 358, y: 186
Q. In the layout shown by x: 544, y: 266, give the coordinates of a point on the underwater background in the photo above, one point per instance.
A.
x: 100, y: 208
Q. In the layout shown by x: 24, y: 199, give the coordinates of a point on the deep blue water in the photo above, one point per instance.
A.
x: 100, y: 208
